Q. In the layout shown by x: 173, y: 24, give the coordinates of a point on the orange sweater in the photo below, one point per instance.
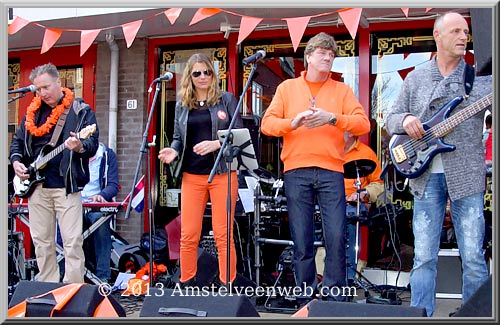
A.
x: 318, y: 147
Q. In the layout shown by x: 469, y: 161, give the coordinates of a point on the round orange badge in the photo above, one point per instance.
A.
x: 221, y: 114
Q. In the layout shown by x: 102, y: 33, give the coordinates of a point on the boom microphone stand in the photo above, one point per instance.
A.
x: 229, y: 153
x: 143, y: 153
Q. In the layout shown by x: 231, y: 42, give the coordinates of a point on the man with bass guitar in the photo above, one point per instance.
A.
x: 54, y: 169
x: 436, y: 142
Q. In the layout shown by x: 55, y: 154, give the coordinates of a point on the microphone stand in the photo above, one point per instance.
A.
x: 21, y: 95
x: 229, y: 153
x: 142, y: 153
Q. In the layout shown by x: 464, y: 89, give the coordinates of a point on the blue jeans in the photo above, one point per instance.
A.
x: 303, y: 187
x: 468, y: 222
x: 100, y: 240
x: 351, y: 239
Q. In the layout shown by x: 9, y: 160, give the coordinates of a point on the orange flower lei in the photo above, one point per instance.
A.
x: 36, y: 102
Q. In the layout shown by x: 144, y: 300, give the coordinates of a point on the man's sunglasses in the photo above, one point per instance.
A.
x: 196, y: 74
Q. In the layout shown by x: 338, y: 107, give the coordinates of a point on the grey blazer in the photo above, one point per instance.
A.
x: 425, y: 91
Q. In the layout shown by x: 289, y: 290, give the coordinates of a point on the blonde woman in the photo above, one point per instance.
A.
x: 202, y: 110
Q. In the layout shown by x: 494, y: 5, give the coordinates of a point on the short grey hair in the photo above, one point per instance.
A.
x: 48, y: 68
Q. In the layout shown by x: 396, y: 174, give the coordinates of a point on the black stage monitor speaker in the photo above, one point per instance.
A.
x: 482, y: 36
x: 207, y: 271
x: 82, y: 304
x: 173, y: 303
x: 479, y: 305
x: 318, y: 308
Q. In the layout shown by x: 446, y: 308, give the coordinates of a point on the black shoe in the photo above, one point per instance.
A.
x: 189, y: 283
x: 217, y: 283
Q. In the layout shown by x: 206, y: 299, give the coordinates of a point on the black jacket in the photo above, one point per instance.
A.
x: 74, y: 167
x: 227, y: 105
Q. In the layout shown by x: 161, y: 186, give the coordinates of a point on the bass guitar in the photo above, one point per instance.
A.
x: 24, y: 189
x: 411, y: 157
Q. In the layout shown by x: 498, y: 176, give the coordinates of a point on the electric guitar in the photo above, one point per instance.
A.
x: 411, y: 157
x: 25, y: 188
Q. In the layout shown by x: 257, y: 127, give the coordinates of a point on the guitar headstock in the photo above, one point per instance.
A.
x: 87, y: 131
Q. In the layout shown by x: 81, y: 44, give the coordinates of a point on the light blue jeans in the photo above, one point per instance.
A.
x: 468, y: 222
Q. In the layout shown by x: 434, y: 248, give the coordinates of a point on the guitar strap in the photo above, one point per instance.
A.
x: 59, y: 127
x: 468, y: 79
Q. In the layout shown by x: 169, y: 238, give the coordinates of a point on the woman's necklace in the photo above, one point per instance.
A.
x: 202, y: 102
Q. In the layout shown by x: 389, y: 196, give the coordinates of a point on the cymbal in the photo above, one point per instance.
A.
x: 360, y: 167
x: 263, y: 175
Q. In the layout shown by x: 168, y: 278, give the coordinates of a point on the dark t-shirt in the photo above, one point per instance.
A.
x: 199, y: 128
x: 51, y: 172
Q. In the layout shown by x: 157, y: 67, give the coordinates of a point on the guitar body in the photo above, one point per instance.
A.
x: 24, y: 189
x: 411, y: 157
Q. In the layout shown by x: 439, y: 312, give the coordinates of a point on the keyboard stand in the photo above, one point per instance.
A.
x: 60, y: 250
x: 108, y: 209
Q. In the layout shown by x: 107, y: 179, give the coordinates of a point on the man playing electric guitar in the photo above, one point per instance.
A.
x: 458, y: 174
x: 55, y: 111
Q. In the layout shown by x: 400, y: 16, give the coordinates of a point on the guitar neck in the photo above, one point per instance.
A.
x: 444, y: 127
x: 42, y: 160
x: 45, y: 159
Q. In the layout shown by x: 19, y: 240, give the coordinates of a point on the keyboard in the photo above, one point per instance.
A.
x: 108, y: 207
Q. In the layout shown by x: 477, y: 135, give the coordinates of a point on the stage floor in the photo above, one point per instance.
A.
x: 443, y: 306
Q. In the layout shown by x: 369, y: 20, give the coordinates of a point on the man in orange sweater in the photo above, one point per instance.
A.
x: 311, y: 113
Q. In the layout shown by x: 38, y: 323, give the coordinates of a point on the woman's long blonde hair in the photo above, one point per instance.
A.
x: 187, y: 91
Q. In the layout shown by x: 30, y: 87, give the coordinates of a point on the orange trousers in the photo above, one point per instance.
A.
x: 195, y: 192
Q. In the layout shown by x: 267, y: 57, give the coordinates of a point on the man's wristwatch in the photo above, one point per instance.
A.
x: 82, y: 150
x: 333, y: 120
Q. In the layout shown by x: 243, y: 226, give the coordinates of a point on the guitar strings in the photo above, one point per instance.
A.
x: 429, y: 134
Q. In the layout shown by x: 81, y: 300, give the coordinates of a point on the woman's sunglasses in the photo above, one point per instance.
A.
x: 196, y: 74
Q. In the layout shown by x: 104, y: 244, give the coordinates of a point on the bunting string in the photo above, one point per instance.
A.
x: 350, y: 17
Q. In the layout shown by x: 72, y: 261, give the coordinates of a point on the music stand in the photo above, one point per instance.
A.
x: 245, y: 153
x: 242, y: 149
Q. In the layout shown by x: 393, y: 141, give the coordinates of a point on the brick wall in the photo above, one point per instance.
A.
x: 132, y: 84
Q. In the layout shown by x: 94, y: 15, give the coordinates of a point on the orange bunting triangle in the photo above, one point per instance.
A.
x: 405, y: 11
x: 247, y: 25
x: 203, y: 13
x: 50, y: 38
x: 296, y: 28
x: 350, y: 18
x: 130, y: 31
x: 427, y: 10
x: 86, y: 39
x: 172, y: 14
x: 17, y: 25
x: 404, y: 72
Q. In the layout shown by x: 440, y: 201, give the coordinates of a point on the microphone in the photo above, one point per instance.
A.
x: 254, y: 58
x: 167, y: 76
x: 30, y: 88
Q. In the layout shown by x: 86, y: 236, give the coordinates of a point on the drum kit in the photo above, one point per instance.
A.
x: 276, y: 203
